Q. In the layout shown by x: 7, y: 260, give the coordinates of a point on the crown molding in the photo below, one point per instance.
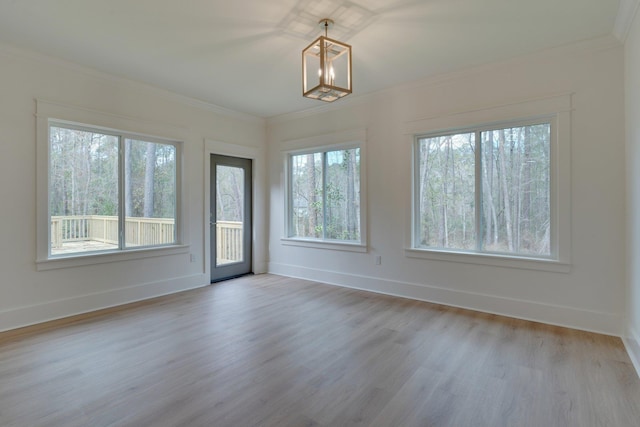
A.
x: 350, y: 101
x: 581, y: 47
x: 578, y: 48
x: 44, y: 59
x: 626, y: 14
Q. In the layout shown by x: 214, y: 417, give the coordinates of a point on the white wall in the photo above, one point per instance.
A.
x: 29, y: 296
x: 591, y: 296
x: 632, y: 106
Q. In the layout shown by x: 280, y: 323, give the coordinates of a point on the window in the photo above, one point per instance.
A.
x: 486, y: 190
x: 109, y: 190
x: 324, y: 195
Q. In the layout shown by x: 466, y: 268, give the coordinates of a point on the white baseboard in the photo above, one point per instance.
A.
x: 260, y: 267
x: 632, y: 344
x: 592, y: 321
x: 52, y: 310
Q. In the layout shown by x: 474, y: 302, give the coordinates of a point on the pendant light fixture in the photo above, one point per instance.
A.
x: 326, y: 67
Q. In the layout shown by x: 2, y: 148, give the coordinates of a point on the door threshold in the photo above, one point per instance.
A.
x: 232, y: 277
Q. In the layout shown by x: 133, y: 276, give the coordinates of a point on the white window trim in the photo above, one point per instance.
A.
x: 336, y: 245
x: 328, y: 142
x: 50, y: 112
x: 557, y: 110
x: 104, y: 257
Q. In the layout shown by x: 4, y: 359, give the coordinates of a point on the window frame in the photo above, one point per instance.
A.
x: 555, y: 110
x: 324, y: 144
x: 122, y: 138
x: 55, y: 114
x: 478, y: 199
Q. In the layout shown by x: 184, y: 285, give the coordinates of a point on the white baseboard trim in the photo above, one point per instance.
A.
x: 632, y: 345
x: 586, y: 320
x: 52, y: 310
x: 260, y: 267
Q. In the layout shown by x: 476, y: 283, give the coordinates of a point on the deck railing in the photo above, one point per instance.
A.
x: 229, y: 241
x: 101, y: 228
x: 139, y: 232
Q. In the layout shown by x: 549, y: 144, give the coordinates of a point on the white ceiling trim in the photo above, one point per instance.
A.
x: 577, y: 48
x: 43, y: 59
x: 244, y: 55
x: 626, y: 14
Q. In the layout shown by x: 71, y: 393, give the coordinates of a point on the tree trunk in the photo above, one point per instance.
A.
x: 517, y: 176
x: 424, y: 199
x: 505, y: 190
x: 351, y: 176
x: 311, y: 193
x: 492, y: 227
x: 487, y: 199
x: 526, y: 179
x: 220, y: 211
x: 87, y: 178
x: 237, y: 195
x: 74, y: 166
x: 149, y: 173
x: 445, y: 195
x: 128, y: 193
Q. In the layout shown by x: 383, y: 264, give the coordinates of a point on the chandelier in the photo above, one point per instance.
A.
x: 326, y: 67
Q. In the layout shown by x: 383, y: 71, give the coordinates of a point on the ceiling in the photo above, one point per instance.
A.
x: 245, y: 55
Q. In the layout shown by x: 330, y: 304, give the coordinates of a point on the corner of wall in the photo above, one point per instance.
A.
x: 563, y: 316
x: 624, y: 19
x: 632, y: 345
x: 53, y: 310
x: 631, y: 38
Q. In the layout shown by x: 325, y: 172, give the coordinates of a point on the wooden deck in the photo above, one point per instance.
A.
x: 82, y: 246
x: 89, y: 233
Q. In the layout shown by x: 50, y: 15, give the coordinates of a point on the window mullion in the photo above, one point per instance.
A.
x: 417, y: 207
x: 324, y: 195
x: 121, y: 191
x: 289, y: 195
x: 478, y: 190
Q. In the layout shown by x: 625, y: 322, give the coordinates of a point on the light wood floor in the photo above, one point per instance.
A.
x: 272, y: 351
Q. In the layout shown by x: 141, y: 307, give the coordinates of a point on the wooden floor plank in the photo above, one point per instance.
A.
x: 273, y: 351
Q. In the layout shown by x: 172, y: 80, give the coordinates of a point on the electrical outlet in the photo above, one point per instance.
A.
x: 378, y: 259
x: 193, y: 257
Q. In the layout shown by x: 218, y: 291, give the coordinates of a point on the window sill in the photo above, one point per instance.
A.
x: 324, y: 244
x: 78, y: 260
x: 506, y: 261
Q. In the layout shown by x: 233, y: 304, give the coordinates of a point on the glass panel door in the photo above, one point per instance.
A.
x: 230, y: 214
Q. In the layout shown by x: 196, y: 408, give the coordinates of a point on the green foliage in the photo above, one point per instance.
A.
x: 84, y: 175
x: 325, y: 195
x: 514, y: 185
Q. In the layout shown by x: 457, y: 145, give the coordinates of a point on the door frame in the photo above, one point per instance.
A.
x: 258, y: 205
